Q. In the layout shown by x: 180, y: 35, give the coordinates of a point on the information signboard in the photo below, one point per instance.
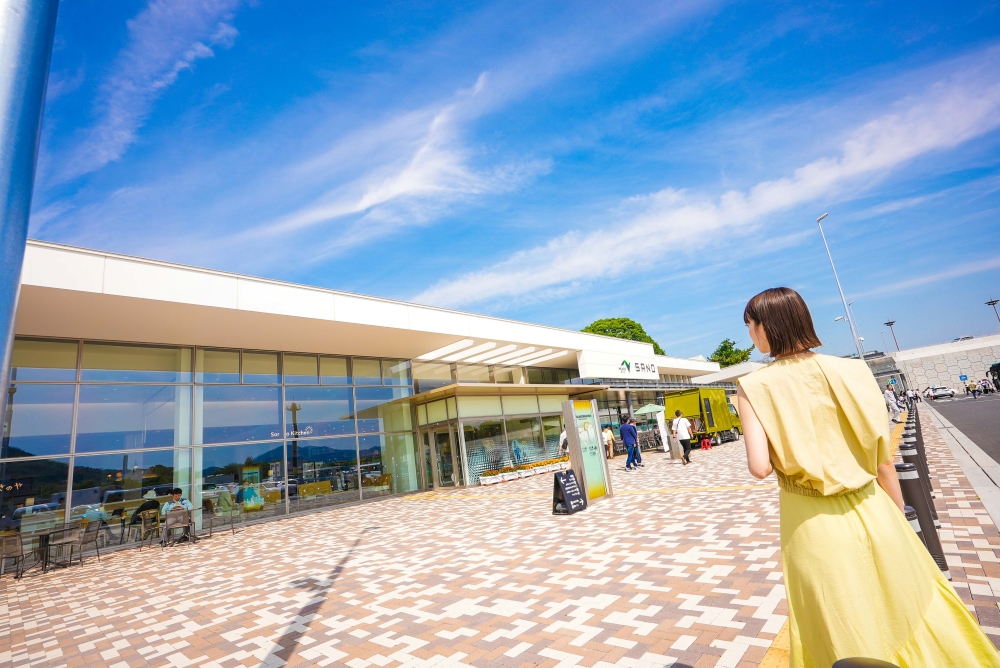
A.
x: 586, y: 453
x: 963, y: 378
x: 567, y: 497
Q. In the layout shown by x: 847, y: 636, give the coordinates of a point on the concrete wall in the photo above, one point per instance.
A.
x: 942, y: 364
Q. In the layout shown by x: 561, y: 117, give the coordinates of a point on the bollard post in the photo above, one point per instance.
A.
x: 913, y: 495
x: 911, y: 517
x: 910, y: 456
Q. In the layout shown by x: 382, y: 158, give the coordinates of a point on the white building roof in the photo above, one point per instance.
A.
x: 729, y: 374
x: 946, y: 348
x: 79, y: 293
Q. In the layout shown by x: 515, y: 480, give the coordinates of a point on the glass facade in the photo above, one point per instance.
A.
x: 96, y: 431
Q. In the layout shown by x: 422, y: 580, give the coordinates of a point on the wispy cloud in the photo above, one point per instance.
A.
x: 944, y: 114
x: 964, y: 269
x: 164, y: 39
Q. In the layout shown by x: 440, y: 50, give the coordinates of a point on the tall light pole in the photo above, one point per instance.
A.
x: 883, y: 341
x: 27, y: 28
x: 847, y: 311
x: 889, y: 324
x: 993, y: 302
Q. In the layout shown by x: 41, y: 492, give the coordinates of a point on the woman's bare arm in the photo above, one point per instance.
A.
x: 758, y: 456
x: 888, y: 481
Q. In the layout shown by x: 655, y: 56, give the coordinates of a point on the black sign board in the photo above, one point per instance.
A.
x: 567, y: 497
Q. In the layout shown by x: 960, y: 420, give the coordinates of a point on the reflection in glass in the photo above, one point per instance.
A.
x: 33, y: 494
x: 506, y: 375
x: 335, y: 370
x: 485, y: 447
x: 552, y: 426
x: 524, y: 434
x: 217, y: 366
x: 318, y: 411
x: 300, y: 369
x: 116, y: 487
x: 388, y: 464
x: 260, y: 368
x: 38, y: 421
x: 396, y: 372
x: 237, y: 413
x: 472, y: 373
x: 323, y: 472
x: 246, y: 479
x: 366, y: 371
x: 375, y: 480
x: 38, y: 359
x: 426, y: 464
x: 128, y: 363
x: 551, y: 376
x: 376, y: 414
x: 115, y: 417
x: 429, y: 376
x: 445, y: 461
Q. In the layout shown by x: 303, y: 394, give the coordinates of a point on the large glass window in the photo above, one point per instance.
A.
x: 472, y: 373
x: 552, y: 426
x: 485, y: 447
x: 301, y: 369
x: 33, y: 494
x: 106, y: 487
x: 217, y: 366
x: 400, y: 463
x: 260, y: 368
x: 37, y: 359
x: 116, y: 417
x: 366, y: 371
x: 376, y: 413
x: 248, y: 477
x: 396, y: 372
x: 428, y: 376
x: 524, y: 434
x: 128, y: 363
x: 335, y: 370
x: 318, y: 411
x: 375, y: 480
x: 323, y: 472
x: 237, y: 413
x: 38, y: 421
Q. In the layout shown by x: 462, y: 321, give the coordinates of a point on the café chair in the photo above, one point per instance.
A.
x: 148, y: 526
x: 178, y: 519
x: 11, y: 548
x: 75, y: 537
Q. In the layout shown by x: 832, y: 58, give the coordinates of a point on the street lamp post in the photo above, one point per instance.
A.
x: 993, y: 302
x: 850, y: 321
x: 889, y: 324
x: 883, y: 340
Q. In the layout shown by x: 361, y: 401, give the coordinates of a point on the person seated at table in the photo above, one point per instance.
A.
x: 176, y: 502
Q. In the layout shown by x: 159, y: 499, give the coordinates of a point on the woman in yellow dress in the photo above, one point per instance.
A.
x: 858, y: 580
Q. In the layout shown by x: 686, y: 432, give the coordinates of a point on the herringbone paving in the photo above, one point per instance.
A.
x: 680, y: 568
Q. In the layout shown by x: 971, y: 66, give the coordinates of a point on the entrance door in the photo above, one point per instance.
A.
x: 427, y: 458
x: 444, y: 460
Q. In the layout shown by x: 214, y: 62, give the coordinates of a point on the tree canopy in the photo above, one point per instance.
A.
x: 727, y: 354
x: 622, y: 328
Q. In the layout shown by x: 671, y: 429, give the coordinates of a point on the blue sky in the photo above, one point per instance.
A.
x: 549, y: 162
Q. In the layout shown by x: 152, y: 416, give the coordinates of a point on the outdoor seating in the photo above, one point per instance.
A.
x: 148, y: 526
x: 178, y: 519
x: 76, y: 538
x: 12, y: 549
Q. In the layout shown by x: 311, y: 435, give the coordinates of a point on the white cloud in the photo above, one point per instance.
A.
x: 964, y: 269
x: 943, y: 115
x: 164, y: 39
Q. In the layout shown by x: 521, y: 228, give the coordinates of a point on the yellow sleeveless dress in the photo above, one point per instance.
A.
x: 858, y: 580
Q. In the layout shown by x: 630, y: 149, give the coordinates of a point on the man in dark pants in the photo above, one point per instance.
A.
x: 682, y: 432
x: 630, y: 438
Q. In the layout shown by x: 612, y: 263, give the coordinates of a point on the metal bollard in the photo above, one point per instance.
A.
x: 911, y: 517
x: 913, y: 495
x: 910, y: 456
x: 862, y: 662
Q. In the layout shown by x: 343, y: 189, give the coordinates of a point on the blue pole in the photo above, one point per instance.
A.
x: 27, y: 28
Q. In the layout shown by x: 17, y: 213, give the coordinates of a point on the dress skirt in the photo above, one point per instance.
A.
x: 860, y: 583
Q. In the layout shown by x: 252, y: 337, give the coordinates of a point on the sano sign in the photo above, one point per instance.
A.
x: 616, y: 365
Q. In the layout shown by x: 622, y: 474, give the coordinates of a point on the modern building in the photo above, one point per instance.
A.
x: 944, y: 364
x: 130, y: 377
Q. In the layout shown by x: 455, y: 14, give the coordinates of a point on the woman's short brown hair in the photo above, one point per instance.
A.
x: 786, y: 320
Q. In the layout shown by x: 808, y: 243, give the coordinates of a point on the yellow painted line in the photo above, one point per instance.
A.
x: 777, y: 655
x: 897, y: 435
x: 434, y: 496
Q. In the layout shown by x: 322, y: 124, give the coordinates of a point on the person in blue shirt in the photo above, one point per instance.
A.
x: 630, y: 438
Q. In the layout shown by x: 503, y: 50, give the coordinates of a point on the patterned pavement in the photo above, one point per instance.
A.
x: 681, y: 568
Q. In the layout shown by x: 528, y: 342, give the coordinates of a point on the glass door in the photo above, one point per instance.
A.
x: 426, y: 460
x: 444, y: 459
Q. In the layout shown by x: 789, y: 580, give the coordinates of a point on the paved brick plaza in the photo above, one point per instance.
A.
x: 681, y: 568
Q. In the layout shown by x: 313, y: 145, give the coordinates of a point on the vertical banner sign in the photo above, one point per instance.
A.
x: 661, y: 424
x: 586, y: 451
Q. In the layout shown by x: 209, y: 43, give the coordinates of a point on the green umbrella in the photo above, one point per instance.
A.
x: 649, y: 409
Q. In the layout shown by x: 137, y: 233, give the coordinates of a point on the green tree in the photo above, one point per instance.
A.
x: 727, y: 354
x: 622, y: 328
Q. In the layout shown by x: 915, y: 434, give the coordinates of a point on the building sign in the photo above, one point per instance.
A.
x: 586, y: 452
x: 615, y: 365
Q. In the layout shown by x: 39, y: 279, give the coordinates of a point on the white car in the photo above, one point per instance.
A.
x: 942, y: 392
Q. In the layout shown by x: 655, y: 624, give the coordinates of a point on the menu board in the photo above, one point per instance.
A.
x: 567, y: 497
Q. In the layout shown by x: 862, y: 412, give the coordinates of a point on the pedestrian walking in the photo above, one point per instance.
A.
x: 858, y: 580
x: 609, y: 441
x: 891, y: 404
x: 563, y: 443
x: 638, y: 446
x: 630, y: 437
x: 681, y: 428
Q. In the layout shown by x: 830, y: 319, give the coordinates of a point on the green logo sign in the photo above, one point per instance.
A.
x: 626, y: 365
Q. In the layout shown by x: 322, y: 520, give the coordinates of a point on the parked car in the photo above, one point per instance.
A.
x: 942, y: 392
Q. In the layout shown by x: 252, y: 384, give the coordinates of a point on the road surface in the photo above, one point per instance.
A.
x: 979, y: 419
